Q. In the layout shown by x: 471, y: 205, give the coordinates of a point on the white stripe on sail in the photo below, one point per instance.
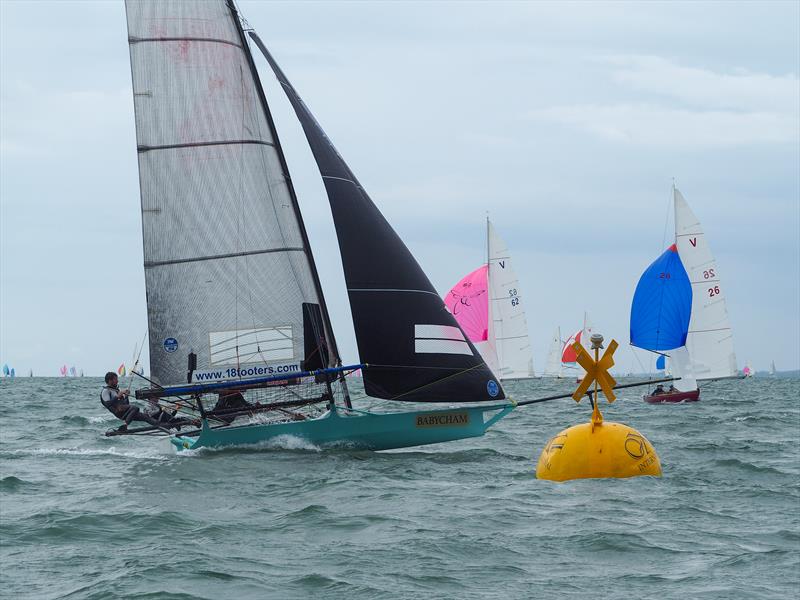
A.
x: 441, y: 347
x: 445, y: 332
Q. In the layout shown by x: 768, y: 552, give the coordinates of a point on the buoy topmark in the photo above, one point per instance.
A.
x: 594, y: 450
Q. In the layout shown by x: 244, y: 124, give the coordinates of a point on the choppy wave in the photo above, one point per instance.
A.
x: 87, y: 516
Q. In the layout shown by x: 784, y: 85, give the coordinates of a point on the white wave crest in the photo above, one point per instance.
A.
x: 101, y: 419
x: 137, y: 454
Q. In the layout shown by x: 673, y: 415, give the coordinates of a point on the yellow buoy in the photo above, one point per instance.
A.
x: 597, y: 449
x: 592, y: 450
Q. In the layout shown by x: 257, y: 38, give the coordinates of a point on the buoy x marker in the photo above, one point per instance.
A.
x: 596, y: 370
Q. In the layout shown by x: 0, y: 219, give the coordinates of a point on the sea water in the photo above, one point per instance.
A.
x: 86, y: 516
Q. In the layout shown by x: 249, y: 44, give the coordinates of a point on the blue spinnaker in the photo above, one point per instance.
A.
x: 662, y: 304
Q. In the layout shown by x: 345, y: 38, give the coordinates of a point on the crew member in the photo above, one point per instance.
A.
x: 117, y: 402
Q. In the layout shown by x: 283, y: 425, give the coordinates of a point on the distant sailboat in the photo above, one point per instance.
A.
x: 64, y: 371
x: 12, y: 373
x: 568, y: 357
x: 553, y: 366
x: 81, y: 373
x: 30, y: 373
x: 6, y: 371
x: 121, y: 370
x: 772, y: 368
x: 747, y: 371
x: 73, y: 372
x: 679, y: 309
x: 487, y: 304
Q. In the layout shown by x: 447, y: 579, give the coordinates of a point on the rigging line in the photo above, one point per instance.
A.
x: 286, y: 177
x: 438, y: 381
x: 392, y: 290
x: 246, y: 263
x: 666, y: 217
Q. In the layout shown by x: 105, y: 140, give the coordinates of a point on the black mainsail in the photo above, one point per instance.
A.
x: 412, y: 346
x: 229, y: 272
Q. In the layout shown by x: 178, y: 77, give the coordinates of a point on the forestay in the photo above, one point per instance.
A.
x: 413, y: 348
x: 709, y: 341
x: 227, y: 264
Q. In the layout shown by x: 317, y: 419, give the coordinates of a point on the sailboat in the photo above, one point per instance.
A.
x: 30, y: 373
x: 747, y: 370
x: 772, y: 368
x: 235, y: 303
x: 73, y: 372
x: 553, y: 366
x: 6, y: 371
x: 679, y: 310
x: 487, y: 304
x: 63, y: 370
x: 568, y: 357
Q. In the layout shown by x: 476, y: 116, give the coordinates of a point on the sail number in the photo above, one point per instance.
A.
x: 664, y: 276
x: 512, y: 293
x: 708, y: 274
x: 714, y: 291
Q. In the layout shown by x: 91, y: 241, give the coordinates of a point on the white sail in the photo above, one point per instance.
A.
x: 680, y: 363
x: 553, y: 365
x: 508, y: 326
x: 710, y: 341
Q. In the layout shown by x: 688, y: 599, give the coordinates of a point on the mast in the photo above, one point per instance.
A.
x: 292, y: 194
x: 488, y: 252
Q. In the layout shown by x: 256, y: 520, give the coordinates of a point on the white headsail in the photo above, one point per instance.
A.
x: 508, y: 326
x: 710, y: 341
x: 553, y: 366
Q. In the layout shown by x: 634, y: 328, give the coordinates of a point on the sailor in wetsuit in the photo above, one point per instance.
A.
x: 116, y: 401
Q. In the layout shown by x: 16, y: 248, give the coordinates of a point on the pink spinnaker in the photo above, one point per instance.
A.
x: 468, y: 302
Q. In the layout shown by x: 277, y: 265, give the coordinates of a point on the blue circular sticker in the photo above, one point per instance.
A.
x: 492, y: 388
x: 170, y: 344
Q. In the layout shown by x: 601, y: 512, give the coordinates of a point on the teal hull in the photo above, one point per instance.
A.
x: 358, y: 429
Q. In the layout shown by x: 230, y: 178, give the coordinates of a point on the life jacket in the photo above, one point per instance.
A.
x: 112, y: 405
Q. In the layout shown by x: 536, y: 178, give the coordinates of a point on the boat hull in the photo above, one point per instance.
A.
x: 673, y: 397
x: 357, y: 429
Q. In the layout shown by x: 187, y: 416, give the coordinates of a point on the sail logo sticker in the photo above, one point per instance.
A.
x: 492, y: 388
x: 170, y: 345
x: 457, y: 419
x: 693, y: 241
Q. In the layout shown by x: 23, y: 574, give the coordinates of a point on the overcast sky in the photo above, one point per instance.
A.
x: 566, y: 121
